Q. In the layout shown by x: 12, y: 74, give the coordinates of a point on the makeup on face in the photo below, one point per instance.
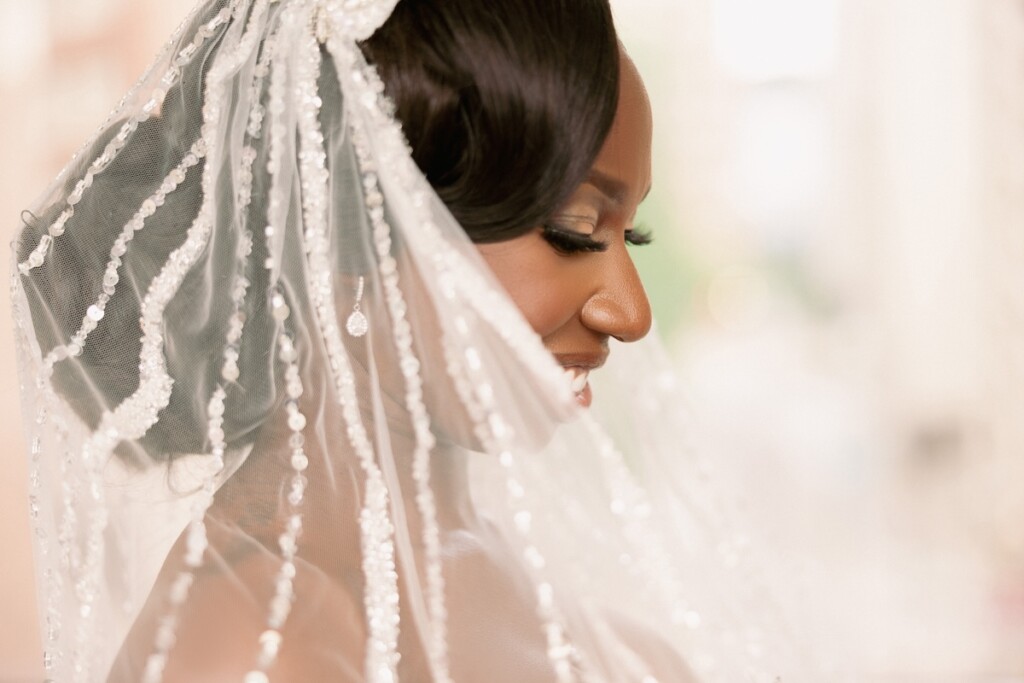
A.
x: 573, y: 278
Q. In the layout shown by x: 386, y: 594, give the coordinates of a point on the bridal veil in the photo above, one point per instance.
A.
x: 285, y: 424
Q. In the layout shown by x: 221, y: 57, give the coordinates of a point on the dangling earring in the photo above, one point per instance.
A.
x: 357, y: 324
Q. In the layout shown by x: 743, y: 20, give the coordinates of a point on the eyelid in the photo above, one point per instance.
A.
x: 570, y: 241
x: 567, y: 221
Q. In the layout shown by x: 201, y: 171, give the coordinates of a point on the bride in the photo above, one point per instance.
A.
x: 313, y: 335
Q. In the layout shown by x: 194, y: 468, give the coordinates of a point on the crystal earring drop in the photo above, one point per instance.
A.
x: 357, y: 325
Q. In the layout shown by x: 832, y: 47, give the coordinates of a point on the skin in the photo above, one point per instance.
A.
x: 577, y: 302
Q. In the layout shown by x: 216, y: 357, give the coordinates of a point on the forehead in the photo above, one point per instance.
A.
x: 633, y: 99
x: 622, y: 170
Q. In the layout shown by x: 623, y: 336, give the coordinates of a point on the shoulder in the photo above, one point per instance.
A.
x: 221, y: 624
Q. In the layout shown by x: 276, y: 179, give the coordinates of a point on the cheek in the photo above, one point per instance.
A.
x: 543, y: 305
x: 542, y: 284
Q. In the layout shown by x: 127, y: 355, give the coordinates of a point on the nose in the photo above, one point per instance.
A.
x: 619, y: 306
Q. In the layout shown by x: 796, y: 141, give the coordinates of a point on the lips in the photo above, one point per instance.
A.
x: 578, y: 380
x: 577, y: 367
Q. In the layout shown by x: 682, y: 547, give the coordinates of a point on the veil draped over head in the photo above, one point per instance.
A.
x: 286, y: 425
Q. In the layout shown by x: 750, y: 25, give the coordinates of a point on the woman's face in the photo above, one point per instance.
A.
x: 574, y: 278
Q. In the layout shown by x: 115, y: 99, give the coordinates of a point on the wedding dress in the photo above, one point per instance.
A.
x: 286, y: 425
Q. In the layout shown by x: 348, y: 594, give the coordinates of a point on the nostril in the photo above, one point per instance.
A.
x: 619, y: 306
x: 621, y: 317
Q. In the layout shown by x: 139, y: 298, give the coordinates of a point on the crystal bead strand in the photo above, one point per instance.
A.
x: 52, y: 587
x: 277, y: 212
x: 281, y: 603
x: 69, y: 555
x: 378, y: 550
x: 197, y: 542
x: 357, y: 20
x: 137, y: 413
x: 270, y: 640
x: 453, y: 272
x: 166, y: 82
x: 488, y: 301
x: 87, y: 570
x: 496, y: 435
x: 410, y: 366
x: 632, y: 507
x: 490, y: 304
x: 44, y: 401
x: 737, y: 553
x: 254, y: 130
x: 54, y: 583
x: 148, y: 208
x: 156, y: 98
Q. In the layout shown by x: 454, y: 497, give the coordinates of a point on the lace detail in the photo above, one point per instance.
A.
x: 352, y: 19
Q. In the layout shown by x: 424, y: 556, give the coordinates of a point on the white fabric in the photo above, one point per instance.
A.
x: 253, y: 494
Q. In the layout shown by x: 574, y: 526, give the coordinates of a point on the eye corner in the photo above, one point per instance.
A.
x: 639, y: 236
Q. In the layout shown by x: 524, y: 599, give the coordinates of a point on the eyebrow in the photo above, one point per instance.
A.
x: 613, y: 188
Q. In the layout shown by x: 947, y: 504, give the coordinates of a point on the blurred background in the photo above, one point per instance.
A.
x: 839, y: 272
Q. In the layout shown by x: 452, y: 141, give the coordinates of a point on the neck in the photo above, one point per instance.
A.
x: 330, y: 509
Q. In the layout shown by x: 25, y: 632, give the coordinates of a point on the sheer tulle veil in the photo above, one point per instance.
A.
x: 285, y: 424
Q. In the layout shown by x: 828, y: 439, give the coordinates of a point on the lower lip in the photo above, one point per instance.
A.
x: 585, y: 397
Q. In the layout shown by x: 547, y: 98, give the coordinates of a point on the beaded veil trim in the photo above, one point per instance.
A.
x: 179, y: 310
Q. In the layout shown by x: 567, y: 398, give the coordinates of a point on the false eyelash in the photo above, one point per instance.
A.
x: 570, y: 241
x: 639, y: 236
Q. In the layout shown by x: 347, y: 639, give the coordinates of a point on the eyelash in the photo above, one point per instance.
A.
x: 571, y: 242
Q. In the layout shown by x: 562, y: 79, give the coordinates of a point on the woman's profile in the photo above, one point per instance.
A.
x: 314, y: 337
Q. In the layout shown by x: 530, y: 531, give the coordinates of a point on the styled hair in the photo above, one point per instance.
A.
x: 505, y: 104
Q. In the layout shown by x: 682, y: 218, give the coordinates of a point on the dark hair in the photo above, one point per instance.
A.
x: 505, y: 104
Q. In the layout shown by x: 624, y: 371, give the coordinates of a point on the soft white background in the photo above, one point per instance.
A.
x: 839, y: 271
